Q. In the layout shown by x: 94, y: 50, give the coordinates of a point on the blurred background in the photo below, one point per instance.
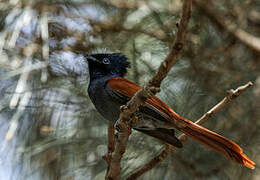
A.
x: 50, y: 130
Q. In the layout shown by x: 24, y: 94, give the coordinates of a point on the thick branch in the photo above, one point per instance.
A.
x: 232, y: 94
x: 224, y: 25
x: 174, y: 54
x: 124, y: 123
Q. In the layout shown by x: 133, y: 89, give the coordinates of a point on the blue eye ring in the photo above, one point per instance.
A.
x: 106, y: 61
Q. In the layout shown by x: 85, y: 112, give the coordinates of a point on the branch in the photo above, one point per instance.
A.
x: 174, y: 54
x: 151, y: 164
x: 249, y: 40
x: 110, y: 145
x: 149, y: 90
x: 232, y: 94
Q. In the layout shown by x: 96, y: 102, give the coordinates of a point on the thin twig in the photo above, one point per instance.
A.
x: 124, y: 123
x: 110, y: 145
x: 152, y: 163
x: 232, y: 94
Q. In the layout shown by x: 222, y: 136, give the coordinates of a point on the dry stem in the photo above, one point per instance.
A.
x: 124, y: 123
x: 246, y: 38
x: 232, y: 94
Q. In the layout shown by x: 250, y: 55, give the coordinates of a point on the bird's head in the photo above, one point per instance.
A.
x: 115, y: 64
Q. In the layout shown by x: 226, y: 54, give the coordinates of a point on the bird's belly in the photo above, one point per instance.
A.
x: 111, y: 114
x: 110, y: 110
x: 107, y: 107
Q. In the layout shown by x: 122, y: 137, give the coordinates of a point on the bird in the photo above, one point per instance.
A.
x: 108, y: 90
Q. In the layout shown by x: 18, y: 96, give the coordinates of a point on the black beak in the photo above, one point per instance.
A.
x: 92, y: 59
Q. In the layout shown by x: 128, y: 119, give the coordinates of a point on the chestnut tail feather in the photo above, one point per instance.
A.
x: 217, y: 143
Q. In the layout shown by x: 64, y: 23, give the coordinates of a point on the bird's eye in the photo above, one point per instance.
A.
x: 106, y: 61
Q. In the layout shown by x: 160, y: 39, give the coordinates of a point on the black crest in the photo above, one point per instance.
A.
x: 114, y: 63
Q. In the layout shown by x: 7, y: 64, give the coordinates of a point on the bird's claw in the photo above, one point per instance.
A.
x: 118, y: 129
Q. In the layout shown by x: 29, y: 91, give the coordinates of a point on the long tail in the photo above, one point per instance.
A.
x: 217, y: 143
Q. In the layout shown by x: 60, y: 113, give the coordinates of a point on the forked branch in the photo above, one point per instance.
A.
x: 232, y: 94
x: 149, y: 90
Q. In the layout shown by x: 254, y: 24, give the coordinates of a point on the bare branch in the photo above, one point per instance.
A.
x: 152, y: 163
x: 124, y: 123
x: 174, y: 54
x: 243, y: 36
x: 110, y: 145
x: 232, y: 94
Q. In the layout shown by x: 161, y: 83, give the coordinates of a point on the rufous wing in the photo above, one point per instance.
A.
x: 209, y: 138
